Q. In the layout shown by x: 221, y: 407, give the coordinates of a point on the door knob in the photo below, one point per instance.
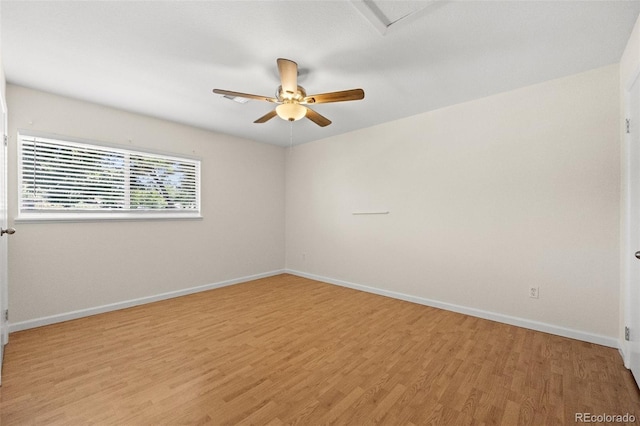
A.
x: 12, y: 231
x: 638, y: 254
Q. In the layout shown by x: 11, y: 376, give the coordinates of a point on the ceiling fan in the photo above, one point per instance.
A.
x: 292, y: 99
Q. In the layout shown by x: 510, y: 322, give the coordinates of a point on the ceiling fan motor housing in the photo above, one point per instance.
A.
x: 284, y: 96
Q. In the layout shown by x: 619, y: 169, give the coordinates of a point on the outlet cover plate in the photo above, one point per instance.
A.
x: 534, y: 292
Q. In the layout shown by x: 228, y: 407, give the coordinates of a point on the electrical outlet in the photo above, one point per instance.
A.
x: 534, y: 292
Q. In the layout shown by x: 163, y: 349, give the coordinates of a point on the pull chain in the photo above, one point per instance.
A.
x: 290, y: 137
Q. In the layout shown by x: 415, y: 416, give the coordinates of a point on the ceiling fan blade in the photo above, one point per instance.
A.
x: 345, y: 95
x: 268, y: 116
x: 244, y: 95
x: 288, y: 75
x: 320, y: 120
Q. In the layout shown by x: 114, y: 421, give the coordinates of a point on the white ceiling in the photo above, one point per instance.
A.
x: 163, y: 58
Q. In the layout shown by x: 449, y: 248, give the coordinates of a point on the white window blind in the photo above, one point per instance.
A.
x: 61, y: 178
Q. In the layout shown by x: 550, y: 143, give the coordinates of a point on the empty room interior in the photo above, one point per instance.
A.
x: 320, y: 212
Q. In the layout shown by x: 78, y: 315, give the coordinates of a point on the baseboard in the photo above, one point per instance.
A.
x: 39, y: 322
x: 506, y: 319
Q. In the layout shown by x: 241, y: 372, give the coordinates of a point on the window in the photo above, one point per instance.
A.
x: 67, y: 180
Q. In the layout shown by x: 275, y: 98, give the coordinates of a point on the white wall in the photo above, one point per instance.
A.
x: 3, y: 84
x: 629, y: 67
x: 61, y: 267
x: 486, y: 198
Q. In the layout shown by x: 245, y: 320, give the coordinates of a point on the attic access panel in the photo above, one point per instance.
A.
x: 386, y: 15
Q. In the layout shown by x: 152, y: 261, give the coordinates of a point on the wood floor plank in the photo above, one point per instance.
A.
x: 288, y: 350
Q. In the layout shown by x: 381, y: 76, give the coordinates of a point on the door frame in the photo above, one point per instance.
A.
x: 4, y: 279
x: 627, y: 262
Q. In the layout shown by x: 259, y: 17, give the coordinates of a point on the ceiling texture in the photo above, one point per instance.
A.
x: 163, y: 58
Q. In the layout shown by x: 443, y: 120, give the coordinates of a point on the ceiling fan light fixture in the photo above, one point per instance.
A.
x: 291, y: 111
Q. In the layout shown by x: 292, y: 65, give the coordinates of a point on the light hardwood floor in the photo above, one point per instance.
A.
x: 288, y: 350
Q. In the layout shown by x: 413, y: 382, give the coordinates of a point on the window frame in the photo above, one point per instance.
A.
x: 78, y: 215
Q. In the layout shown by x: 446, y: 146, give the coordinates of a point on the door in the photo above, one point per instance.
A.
x: 633, y: 304
x: 4, y: 276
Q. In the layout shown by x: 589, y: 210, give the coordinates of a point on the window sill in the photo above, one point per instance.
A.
x: 102, y: 217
